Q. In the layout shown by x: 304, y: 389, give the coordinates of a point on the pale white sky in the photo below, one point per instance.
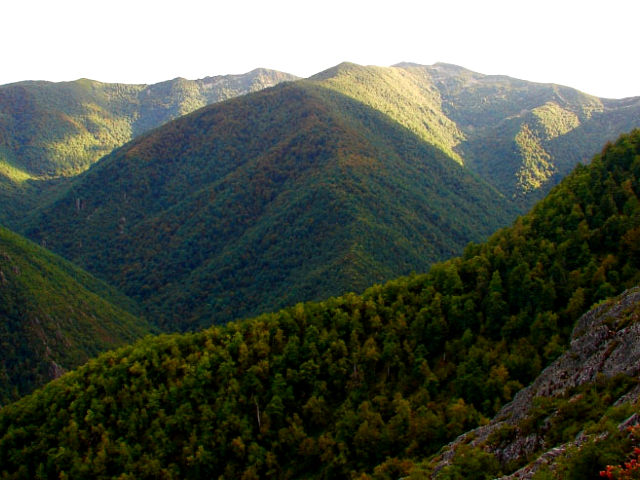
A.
x: 584, y: 44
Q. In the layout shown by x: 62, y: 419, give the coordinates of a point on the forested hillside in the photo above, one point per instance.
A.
x: 50, y: 130
x: 355, y: 176
x: 521, y: 137
x: 54, y: 317
x: 359, y: 386
x: 406, y: 96
x: 580, y: 416
x: 524, y: 137
x: 292, y: 193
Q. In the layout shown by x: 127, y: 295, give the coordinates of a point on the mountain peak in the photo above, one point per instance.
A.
x: 336, y: 70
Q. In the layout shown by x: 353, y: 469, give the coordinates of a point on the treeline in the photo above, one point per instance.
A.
x: 355, y: 386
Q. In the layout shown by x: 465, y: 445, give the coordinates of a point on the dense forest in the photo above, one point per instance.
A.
x: 54, y: 316
x: 579, y: 417
x: 352, y: 177
x: 293, y: 193
x: 521, y: 137
x: 357, y: 386
x: 52, y: 131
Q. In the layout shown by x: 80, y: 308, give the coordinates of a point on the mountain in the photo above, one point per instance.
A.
x: 230, y: 260
x: 50, y: 130
x: 53, y: 316
x: 53, y: 129
x: 407, y: 96
x: 521, y: 137
x: 292, y: 193
x: 371, y: 385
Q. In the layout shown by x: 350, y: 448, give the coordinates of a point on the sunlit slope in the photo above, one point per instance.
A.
x: 521, y: 137
x: 407, y: 96
x: 50, y: 130
x: 524, y: 137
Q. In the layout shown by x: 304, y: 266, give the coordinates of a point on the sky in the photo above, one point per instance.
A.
x: 588, y: 45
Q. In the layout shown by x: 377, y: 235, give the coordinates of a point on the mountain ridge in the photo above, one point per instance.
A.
x: 527, y: 133
x: 242, y: 168
x: 521, y: 153
x: 509, y: 131
x: 52, y: 130
x: 377, y: 107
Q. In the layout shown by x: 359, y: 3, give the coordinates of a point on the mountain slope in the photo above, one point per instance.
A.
x: 50, y: 130
x: 53, y: 316
x: 352, y: 387
x: 586, y: 397
x: 406, y: 96
x: 289, y: 194
x: 521, y: 137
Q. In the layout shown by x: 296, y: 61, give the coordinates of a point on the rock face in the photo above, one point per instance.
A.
x: 605, y: 342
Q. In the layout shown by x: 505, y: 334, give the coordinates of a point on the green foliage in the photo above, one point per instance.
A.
x: 319, y: 390
x: 407, y: 96
x: 53, y: 317
x: 312, y: 190
x: 524, y: 137
x: 555, y: 120
x: 470, y: 463
x: 294, y: 193
x: 49, y: 130
x: 354, y: 386
x: 520, y: 137
x: 588, y: 409
x: 587, y: 460
x: 53, y: 129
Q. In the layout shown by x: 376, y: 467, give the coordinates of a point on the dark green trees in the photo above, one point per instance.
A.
x: 354, y: 386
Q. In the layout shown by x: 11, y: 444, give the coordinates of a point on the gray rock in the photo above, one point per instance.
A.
x: 605, y: 341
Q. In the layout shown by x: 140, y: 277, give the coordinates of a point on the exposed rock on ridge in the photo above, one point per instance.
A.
x: 605, y: 342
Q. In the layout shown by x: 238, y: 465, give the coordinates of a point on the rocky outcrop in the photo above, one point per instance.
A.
x: 605, y: 342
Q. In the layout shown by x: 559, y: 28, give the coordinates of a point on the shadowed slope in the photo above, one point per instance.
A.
x: 53, y: 316
x: 293, y: 193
